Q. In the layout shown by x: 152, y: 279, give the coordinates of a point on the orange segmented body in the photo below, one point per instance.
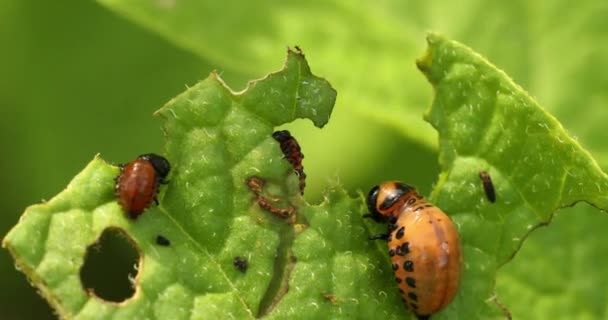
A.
x: 293, y: 154
x: 424, y: 247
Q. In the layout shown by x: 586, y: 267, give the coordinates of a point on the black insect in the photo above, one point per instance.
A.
x: 162, y: 241
x: 488, y: 186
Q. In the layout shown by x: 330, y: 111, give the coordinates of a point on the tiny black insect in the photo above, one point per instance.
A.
x: 488, y: 186
x: 162, y: 241
x: 240, y: 263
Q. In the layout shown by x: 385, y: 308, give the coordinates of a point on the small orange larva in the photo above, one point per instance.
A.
x: 138, y: 182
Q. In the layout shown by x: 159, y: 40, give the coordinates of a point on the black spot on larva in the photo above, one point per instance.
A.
x: 400, y: 233
x: 412, y: 296
x: 398, y: 279
x: 410, y: 282
x: 418, y: 208
x: 410, y: 201
x: 389, y: 237
x: 403, y: 249
x: 414, y: 306
x: 428, y: 205
x: 391, y: 252
x: 408, y: 265
x: 401, y: 291
x: 395, y: 266
x: 162, y: 241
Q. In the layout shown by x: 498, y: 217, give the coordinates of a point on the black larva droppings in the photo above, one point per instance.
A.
x: 162, y: 241
x: 403, y: 249
x: 400, y: 233
x: 410, y: 282
x: 412, y: 296
x: 488, y: 186
x: 408, y: 265
x: 240, y: 264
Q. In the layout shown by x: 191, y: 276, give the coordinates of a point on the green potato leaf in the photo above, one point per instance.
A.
x: 488, y: 123
x: 560, y: 269
x: 216, y: 139
x: 319, y: 263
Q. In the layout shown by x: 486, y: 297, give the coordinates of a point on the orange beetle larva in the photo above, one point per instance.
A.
x: 423, y: 244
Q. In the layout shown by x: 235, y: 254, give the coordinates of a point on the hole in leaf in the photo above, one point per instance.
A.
x: 109, y: 269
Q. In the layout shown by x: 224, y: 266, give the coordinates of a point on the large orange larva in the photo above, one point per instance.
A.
x: 423, y: 243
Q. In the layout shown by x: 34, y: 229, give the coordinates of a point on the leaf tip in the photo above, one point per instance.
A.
x: 424, y: 63
x: 295, y: 50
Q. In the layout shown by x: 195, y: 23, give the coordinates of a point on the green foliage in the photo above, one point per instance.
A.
x: 217, y: 139
x: 488, y: 123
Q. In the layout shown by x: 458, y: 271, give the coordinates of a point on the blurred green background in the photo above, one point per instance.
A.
x: 79, y: 78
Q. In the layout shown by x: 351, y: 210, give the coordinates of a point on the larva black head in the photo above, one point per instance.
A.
x: 281, y: 135
x: 160, y: 164
x: 384, y: 199
x: 372, y: 197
